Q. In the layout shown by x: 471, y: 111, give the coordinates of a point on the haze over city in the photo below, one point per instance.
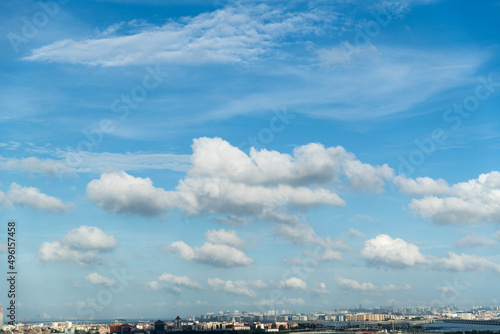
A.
x: 164, y: 158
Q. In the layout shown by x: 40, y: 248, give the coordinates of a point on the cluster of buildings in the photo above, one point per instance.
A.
x: 271, y: 321
x: 369, y: 317
x: 157, y: 327
x: 358, y: 314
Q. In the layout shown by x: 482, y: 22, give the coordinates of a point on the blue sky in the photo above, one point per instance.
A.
x: 180, y: 157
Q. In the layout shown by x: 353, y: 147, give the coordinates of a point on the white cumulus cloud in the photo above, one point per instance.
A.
x: 73, y: 247
x: 239, y: 288
x: 151, y: 285
x: 464, y: 262
x: 33, y: 198
x: 398, y: 253
x: 89, y: 237
x: 294, y: 283
x: 476, y: 241
x: 321, y: 289
x: 367, y: 177
x: 183, y: 281
x: 421, y: 186
x: 304, y: 234
x: 121, y: 192
x: 351, y: 284
x: 355, y: 233
x: 56, y: 251
x: 97, y: 279
x: 224, y: 237
x: 474, y: 201
x: 391, y: 252
x: 215, y: 253
x: 223, y: 179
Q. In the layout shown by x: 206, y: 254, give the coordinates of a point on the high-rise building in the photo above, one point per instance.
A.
x: 1, y: 317
x: 178, y: 323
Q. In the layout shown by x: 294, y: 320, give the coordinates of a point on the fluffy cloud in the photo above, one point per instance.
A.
x: 216, y: 255
x: 308, y: 164
x: 174, y: 290
x: 475, y: 241
x: 56, y: 251
x: 353, y: 285
x: 89, y: 237
x: 464, y: 262
x: 391, y: 252
x: 239, y: 288
x: 73, y: 247
x: 421, y: 186
x: 233, y: 34
x: 330, y: 255
x: 474, y: 201
x: 304, y: 234
x: 355, y: 233
x: 183, y: 281
x: 445, y: 288
x: 258, y: 284
x: 367, y: 177
x: 225, y: 180
x: 121, y: 192
x: 294, y: 283
x: 3, y: 199
x: 321, y: 289
x: 232, y: 220
x: 32, y: 197
x: 97, y: 279
x: 224, y: 237
x: 152, y: 285
x: 218, y: 251
x: 398, y: 253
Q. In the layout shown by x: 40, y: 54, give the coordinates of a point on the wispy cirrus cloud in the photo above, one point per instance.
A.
x: 226, y: 35
x: 67, y: 164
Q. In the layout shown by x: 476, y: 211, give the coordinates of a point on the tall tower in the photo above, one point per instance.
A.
x: 1, y: 317
x: 178, y: 324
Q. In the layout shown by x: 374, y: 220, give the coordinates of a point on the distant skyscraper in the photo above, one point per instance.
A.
x: 1, y: 316
x: 178, y: 323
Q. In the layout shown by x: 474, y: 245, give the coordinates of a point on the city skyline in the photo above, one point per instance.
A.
x: 163, y: 157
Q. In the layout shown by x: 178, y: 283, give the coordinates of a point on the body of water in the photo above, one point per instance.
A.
x: 451, y: 327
